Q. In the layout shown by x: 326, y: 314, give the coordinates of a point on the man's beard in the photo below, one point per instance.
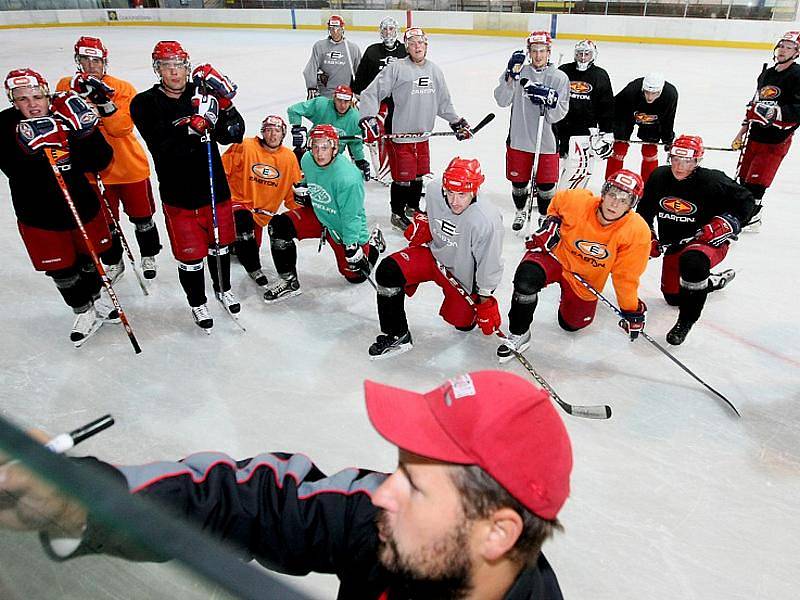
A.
x: 440, y: 570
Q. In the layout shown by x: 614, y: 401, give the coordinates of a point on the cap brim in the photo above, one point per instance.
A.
x: 405, y: 419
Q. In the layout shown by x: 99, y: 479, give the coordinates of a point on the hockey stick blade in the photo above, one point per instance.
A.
x: 484, y: 122
x: 422, y: 134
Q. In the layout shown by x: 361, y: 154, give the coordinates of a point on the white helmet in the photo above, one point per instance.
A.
x: 585, y: 54
x: 388, y: 31
x: 653, y: 82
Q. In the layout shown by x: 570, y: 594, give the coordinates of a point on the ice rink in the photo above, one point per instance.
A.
x: 672, y: 498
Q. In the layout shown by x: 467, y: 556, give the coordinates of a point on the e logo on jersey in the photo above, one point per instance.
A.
x: 677, y: 206
x: 335, y: 54
x: 424, y: 82
x: 580, y: 87
x: 263, y: 171
x: 644, y: 119
x: 769, y: 92
x: 593, y: 249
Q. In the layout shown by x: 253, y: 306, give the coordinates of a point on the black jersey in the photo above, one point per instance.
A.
x: 181, y: 158
x: 656, y: 121
x: 782, y: 89
x: 37, y: 198
x: 683, y: 207
x: 376, y: 57
x: 591, y: 102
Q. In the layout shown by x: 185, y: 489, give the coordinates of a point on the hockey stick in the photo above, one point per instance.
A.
x: 717, y: 148
x: 589, y: 412
x: 535, y: 167
x: 746, y: 136
x: 118, y: 231
x: 51, y: 158
x: 400, y: 136
x: 644, y: 334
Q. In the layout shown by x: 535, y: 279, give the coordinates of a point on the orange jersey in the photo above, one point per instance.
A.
x: 130, y: 162
x: 260, y: 178
x: 594, y: 251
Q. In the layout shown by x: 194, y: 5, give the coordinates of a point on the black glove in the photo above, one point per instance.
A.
x: 299, y: 136
x: 515, y: 64
x: 364, y: 166
x: 356, y: 261
x: 97, y: 91
x: 301, y: 195
x: 632, y: 322
x: 462, y: 129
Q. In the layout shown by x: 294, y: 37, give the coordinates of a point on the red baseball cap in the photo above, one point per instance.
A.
x: 493, y: 419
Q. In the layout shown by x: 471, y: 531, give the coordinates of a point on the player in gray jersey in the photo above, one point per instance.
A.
x: 420, y: 94
x: 333, y: 61
x: 538, y: 93
x: 458, y: 234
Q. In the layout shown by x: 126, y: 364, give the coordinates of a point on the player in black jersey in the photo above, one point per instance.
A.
x: 586, y: 132
x: 698, y: 212
x: 771, y: 121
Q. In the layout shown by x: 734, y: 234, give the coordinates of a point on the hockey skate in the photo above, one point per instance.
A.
x: 390, y: 345
x: 514, y: 344
x: 116, y: 271
x: 259, y: 277
x: 106, y: 310
x: 678, y: 333
x: 85, y: 326
x: 229, y: 301
x: 149, y: 267
x: 400, y: 222
x: 519, y: 219
x: 202, y: 318
x: 717, y: 281
x: 753, y: 226
x: 282, y: 289
x: 377, y: 241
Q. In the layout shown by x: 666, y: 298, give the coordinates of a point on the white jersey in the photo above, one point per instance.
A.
x: 338, y: 60
x: 470, y: 245
x: 419, y: 93
x: 525, y: 118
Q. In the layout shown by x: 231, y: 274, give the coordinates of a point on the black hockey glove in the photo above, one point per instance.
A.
x: 356, y: 260
x: 301, y: 195
x: 364, y: 166
x: 299, y: 136
x: 461, y: 129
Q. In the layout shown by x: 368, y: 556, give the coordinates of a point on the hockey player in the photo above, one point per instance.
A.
x: 65, y: 128
x: 593, y: 237
x: 698, y: 212
x: 263, y: 175
x: 585, y: 133
x: 333, y: 212
x: 538, y: 94
x: 375, y: 58
x: 483, y: 471
x: 420, y: 94
x: 176, y: 117
x: 458, y: 233
x: 772, y: 120
x: 127, y: 179
x: 333, y: 61
x: 337, y: 111
x: 648, y: 103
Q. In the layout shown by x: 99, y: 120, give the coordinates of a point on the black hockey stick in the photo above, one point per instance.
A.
x: 589, y: 412
x: 717, y: 148
x: 399, y: 136
x: 644, y: 334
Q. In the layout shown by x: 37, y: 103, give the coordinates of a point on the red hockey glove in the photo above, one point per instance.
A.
x: 206, y: 115
x: 419, y: 232
x: 719, y: 230
x: 655, y: 246
x: 41, y: 132
x: 487, y: 315
x: 547, y: 236
x: 632, y: 322
x: 372, y: 129
x: 74, y: 113
x: 96, y: 91
x: 207, y: 78
x: 763, y: 113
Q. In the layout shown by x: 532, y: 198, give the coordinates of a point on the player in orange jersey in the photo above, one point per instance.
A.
x: 263, y: 175
x: 593, y: 237
x: 127, y: 178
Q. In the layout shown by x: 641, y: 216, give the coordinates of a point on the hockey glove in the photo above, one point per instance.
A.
x: 419, y: 232
x: 461, y: 129
x: 74, y: 113
x: 371, y: 128
x: 602, y: 144
x: 487, y: 315
x: 655, y: 245
x: 301, y: 195
x: 96, y: 91
x: 356, y: 261
x: 212, y: 81
x: 312, y: 93
x: 515, y: 64
x: 322, y: 77
x: 299, y: 136
x: 41, y: 132
x: 632, y: 322
x: 547, y: 236
x: 206, y: 115
x: 719, y: 230
x: 540, y: 94
x: 364, y: 166
x: 763, y: 113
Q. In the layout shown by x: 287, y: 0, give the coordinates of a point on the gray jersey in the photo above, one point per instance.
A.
x: 419, y: 93
x: 338, y: 60
x: 470, y: 245
x: 525, y: 115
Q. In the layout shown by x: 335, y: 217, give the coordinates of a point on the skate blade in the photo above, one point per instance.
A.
x: 397, y: 352
x: 284, y: 297
x: 84, y: 339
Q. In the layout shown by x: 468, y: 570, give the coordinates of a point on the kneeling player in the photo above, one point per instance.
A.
x: 593, y: 237
x: 459, y: 235
x: 333, y: 210
x: 698, y: 212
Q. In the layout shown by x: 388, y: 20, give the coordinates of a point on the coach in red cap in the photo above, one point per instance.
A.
x: 484, y: 464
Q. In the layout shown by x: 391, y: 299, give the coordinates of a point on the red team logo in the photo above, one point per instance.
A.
x: 644, y: 118
x: 769, y: 92
x: 579, y: 87
x: 678, y: 206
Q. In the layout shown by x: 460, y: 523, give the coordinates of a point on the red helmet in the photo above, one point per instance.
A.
x: 274, y: 122
x: 539, y: 37
x: 343, y: 92
x: 627, y: 181
x: 463, y: 175
x: 19, y: 78
x: 413, y: 32
x: 169, y: 50
x: 335, y: 21
x: 91, y: 47
x: 790, y: 36
x: 687, y: 146
x: 324, y: 132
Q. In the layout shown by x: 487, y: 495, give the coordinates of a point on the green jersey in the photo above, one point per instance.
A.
x: 320, y: 111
